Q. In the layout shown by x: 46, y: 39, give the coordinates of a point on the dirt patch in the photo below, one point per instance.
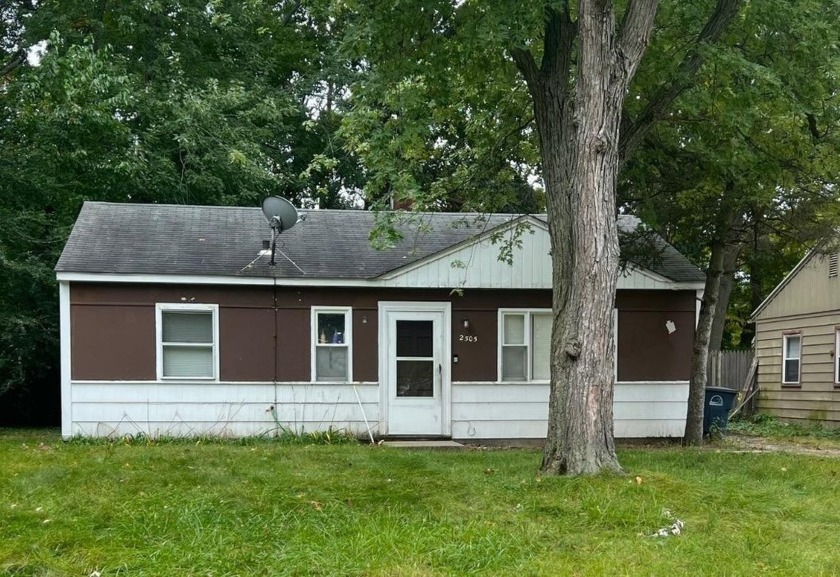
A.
x: 763, y: 444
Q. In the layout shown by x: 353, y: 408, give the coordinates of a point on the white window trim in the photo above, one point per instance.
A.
x: 160, y: 308
x: 785, y: 358
x: 836, y: 356
x: 500, y: 337
x: 348, y: 341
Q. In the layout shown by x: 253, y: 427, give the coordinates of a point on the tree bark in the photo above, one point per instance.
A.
x: 579, y: 134
x: 723, y: 244
x: 727, y: 281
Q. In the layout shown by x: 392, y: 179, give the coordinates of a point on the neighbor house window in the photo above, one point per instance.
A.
x: 187, y: 341
x: 331, y: 343
x: 837, y: 356
x: 791, y: 355
x: 524, y: 345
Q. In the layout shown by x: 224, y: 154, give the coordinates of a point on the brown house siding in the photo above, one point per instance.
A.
x: 112, y: 342
x: 113, y: 328
x: 646, y: 352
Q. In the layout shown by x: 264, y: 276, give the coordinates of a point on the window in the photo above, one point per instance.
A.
x: 187, y: 337
x: 837, y: 356
x: 331, y: 340
x: 791, y: 353
x: 524, y: 345
x: 832, y: 265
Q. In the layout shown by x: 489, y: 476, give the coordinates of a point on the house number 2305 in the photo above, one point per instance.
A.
x: 468, y: 338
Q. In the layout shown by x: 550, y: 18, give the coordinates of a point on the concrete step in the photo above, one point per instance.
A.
x: 423, y: 444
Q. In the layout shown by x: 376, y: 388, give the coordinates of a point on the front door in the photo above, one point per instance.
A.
x: 416, y: 372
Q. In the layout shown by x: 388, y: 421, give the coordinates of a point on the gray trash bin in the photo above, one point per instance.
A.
x: 716, y: 410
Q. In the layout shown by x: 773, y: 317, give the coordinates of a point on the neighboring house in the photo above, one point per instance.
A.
x: 173, y: 322
x: 796, y: 343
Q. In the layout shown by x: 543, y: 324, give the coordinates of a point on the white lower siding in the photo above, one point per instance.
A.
x: 225, y: 409
x: 520, y: 411
x: 479, y: 410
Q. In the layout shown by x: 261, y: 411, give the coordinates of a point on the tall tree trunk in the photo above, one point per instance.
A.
x: 579, y: 135
x: 727, y: 281
x: 723, y: 245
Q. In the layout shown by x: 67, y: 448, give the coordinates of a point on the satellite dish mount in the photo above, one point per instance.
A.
x: 281, y: 216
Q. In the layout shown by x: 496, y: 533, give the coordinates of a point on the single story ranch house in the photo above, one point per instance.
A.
x: 174, y: 322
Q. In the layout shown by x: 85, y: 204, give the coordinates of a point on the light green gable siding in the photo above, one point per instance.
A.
x: 810, y: 290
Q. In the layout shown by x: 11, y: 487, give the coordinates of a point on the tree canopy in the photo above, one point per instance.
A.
x: 726, y: 135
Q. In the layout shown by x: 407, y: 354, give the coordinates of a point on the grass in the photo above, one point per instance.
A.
x: 257, y: 507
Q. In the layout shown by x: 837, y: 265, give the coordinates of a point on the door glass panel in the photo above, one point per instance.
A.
x: 415, y: 378
x: 414, y: 339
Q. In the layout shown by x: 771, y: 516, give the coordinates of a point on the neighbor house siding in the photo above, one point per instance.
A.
x: 809, y: 291
x: 815, y: 397
x: 808, y: 302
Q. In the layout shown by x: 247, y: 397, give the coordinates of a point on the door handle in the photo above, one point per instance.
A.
x: 440, y: 369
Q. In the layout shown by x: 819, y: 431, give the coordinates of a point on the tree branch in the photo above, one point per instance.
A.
x: 632, y: 133
x: 18, y: 58
x: 524, y: 60
x: 560, y: 33
x: 636, y: 26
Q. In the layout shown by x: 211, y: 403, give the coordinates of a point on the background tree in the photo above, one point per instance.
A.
x: 746, y: 161
x: 186, y: 101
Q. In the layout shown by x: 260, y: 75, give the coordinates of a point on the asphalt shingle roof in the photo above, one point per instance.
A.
x: 226, y: 241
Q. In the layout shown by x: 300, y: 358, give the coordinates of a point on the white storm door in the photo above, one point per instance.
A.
x: 417, y: 378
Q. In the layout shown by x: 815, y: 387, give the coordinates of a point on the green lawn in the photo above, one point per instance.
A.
x: 266, y: 508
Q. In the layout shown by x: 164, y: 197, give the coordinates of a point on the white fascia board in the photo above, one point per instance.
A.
x: 465, y: 243
x: 207, y: 279
x: 267, y: 281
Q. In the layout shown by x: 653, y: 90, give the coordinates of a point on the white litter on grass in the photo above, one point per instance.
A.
x: 675, y: 528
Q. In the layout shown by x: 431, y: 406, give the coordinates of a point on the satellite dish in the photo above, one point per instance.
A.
x: 280, y: 213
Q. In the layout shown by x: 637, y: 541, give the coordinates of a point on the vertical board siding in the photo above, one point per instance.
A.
x: 476, y: 265
x: 479, y: 411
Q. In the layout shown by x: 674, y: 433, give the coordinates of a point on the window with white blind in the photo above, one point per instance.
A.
x: 524, y: 345
x: 187, y: 341
x: 332, y: 340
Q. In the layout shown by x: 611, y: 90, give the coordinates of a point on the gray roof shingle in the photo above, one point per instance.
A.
x: 226, y: 241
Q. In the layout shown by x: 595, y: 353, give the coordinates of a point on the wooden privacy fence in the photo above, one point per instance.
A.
x: 729, y: 369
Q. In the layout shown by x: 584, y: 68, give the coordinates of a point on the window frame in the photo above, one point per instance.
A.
x: 785, y: 338
x: 161, y: 308
x: 837, y: 356
x: 314, y: 344
x: 500, y: 335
